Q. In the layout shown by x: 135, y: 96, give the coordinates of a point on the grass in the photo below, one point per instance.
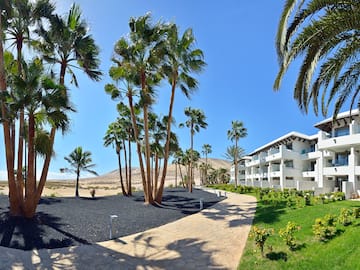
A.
x: 341, y: 252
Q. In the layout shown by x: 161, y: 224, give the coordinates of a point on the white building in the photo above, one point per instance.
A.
x: 324, y: 162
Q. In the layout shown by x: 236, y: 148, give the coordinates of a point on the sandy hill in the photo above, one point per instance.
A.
x: 113, y: 176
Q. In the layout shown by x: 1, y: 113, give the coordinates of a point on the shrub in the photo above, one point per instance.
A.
x: 339, y: 196
x: 325, y: 228
x: 356, y: 212
x: 290, y: 202
x: 287, y: 234
x: 260, y: 236
x: 300, y: 202
x: 307, y: 199
x: 346, y: 216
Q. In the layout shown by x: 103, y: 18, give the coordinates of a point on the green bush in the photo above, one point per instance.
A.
x: 325, y: 228
x: 339, y: 196
x: 356, y: 212
x: 260, y: 236
x: 346, y: 216
x: 287, y: 234
x: 307, y: 199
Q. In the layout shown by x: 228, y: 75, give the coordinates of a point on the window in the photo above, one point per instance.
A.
x: 289, y: 164
x: 343, y: 131
x: 312, y: 148
x: 341, y: 159
x: 312, y: 165
x: 289, y: 146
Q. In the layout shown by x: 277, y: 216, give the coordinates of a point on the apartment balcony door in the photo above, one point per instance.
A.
x: 338, y: 182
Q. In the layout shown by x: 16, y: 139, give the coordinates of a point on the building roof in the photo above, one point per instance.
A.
x: 344, y: 117
x: 283, y: 140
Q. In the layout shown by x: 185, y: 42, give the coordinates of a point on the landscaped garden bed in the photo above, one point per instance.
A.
x: 62, y: 222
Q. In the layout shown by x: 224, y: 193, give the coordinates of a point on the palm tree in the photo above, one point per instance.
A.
x: 25, y: 15
x: 196, y: 120
x: 234, y: 154
x: 326, y: 34
x: 114, y: 136
x: 138, y: 58
x: 182, y: 60
x: 17, y: 20
x: 79, y: 160
x: 206, y: 150
x: 40, y: 98
x: 178, y: 161
x: 68, y: 41
x: 204, y: 168
x: 236, y: 132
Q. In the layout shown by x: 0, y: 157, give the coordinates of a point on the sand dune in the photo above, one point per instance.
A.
x: 109, y: 183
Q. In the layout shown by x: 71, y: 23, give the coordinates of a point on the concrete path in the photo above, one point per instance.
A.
x: 212, y: 239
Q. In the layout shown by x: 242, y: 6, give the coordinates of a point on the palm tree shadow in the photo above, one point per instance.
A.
x: 243, y: 214
x: 188, y: 253
x: 27, y: 234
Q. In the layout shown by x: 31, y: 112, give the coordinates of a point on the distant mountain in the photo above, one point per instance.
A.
x: 114, y: 176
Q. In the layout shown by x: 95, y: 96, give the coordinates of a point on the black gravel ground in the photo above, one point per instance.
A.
x: 63, y: 222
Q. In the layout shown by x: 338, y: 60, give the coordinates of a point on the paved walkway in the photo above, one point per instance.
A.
x: 211, y: 239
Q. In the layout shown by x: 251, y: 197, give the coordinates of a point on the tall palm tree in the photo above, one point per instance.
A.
x: 178, y: 161
x: 67, y: 41
x: 196, y: 120
x: 17, y: 20
x: 15, y: 202
x: 40, y: 97
x: 79, y: 160
x: 114, y: 136
x: 232, y: 153
x: 206, y: 149
x: 182, y: 59
x: 236, y: 132
x: 324, y: 35
x: 25, y: 15
x: 138, y: 58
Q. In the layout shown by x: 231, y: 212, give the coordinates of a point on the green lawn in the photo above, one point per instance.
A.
x: 341, y: 252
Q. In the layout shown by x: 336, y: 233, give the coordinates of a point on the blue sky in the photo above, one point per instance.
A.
x: 238, y: 41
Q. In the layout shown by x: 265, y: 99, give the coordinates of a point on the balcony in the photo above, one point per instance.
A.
x: 357, y: 170
x: 309, y: 174
x: 253, y: 162
x: 338, y: 142
x: 273, y: 157
x: 310, y: 155
x: 336, y: 170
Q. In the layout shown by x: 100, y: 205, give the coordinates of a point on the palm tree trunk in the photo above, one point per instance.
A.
x: 167, y: 143
x: 148, y: 188
x: 130, y: 169
x: 181, y: 176
x: 148, y: 195
x: 15, y: 205
x: 31, y: 183
x: 156, y: 175
x: 121, y: 176
x: 191, y: 158
x: 206, y: 167
x: 138, y: 146
x: 236, y: 163
x: 77, y: 183
x: 45, y: 168
x: 126, y: 169
x: 175, y: 175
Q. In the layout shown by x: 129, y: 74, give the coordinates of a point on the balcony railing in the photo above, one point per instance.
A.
x: 273, y: 151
